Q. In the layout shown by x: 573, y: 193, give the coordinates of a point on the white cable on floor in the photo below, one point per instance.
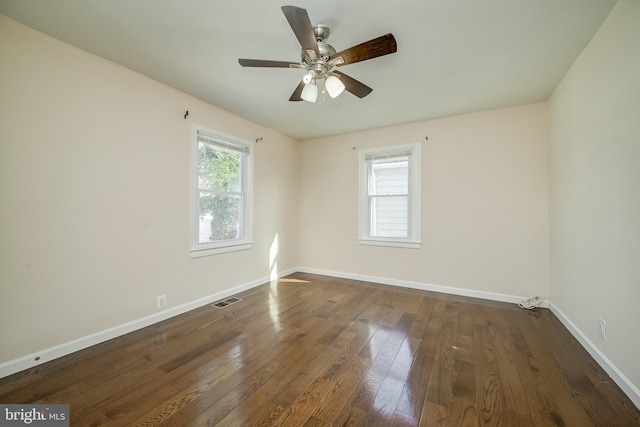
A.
x: 531, y: 302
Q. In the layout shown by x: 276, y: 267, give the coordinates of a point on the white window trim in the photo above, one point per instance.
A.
x: 414, y: 241
x: 206, y: 249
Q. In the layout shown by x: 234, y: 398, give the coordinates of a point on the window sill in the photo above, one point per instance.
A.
x: 203, y: 252
x: 391, y: 243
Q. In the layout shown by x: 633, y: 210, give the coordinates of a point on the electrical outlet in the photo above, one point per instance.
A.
x: 162, y: 301
x: 603, y: 329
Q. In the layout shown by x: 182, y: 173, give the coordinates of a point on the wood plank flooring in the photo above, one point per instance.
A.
x: 321, y: 351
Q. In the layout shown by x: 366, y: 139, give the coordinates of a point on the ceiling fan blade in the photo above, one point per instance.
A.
x: 267, y: 63
x: 295, y: 96
x: 302, y: 28
x: 354, y: 86
x: 379, y: 46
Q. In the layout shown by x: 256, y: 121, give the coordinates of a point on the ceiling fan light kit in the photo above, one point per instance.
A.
x: 308, y: 78
x: 334, y: 86
x: 320, y: 59
x: 309, y: 92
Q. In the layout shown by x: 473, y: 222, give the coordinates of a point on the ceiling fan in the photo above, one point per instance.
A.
x: 320, y: 59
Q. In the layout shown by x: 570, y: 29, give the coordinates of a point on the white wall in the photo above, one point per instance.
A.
x: 484, y: 203
x: 95, y: 193
x: 595, y: 190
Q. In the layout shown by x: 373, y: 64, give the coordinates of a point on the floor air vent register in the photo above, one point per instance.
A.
x: 225, y: 303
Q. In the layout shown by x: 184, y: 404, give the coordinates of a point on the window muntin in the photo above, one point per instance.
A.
x: 223, y: 193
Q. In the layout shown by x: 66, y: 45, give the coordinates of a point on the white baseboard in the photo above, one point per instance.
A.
x: 616, y: 375
x: 29, y: 361
x: 493, y: 296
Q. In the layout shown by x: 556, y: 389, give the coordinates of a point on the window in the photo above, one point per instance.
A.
x: 390, y: 196
x: 222, y: 219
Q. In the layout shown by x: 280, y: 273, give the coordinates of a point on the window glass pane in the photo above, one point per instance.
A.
x: 390, y: 176
x: 219, y: 217
x: 389, y: 216
x: 389, y: 196
x: 219, y: 168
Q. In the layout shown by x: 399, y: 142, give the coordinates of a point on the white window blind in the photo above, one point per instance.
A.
x: 222, y: 142
x: 387, y: 155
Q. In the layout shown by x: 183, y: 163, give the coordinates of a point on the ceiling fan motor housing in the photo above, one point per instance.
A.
x: 320, y: 64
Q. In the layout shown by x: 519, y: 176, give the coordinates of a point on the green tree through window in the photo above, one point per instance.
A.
x: 220, y: 172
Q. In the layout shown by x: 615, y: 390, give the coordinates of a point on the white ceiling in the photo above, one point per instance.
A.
x: 454, y: 56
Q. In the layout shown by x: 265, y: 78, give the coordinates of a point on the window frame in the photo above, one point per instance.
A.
x: 414, y: 154
x: 215, y: 137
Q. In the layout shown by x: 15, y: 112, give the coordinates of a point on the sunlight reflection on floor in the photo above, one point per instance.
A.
x: 294, y: 281
x: 273, y: 293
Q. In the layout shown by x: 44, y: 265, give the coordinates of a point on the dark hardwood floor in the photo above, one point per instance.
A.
x: 321, y: 351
